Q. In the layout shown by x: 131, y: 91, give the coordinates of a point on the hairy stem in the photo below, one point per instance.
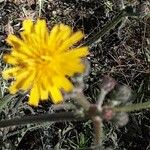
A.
x: 101, y: 98
x: 133, y: 107
x: 55, y: 117
x: 97, y: 122
x: 82, y: 100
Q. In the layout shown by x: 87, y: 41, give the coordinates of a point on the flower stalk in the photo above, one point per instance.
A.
x: 132, y: 107
x: 69, y: 116
x: 97, y: 122
x: 54, y: 117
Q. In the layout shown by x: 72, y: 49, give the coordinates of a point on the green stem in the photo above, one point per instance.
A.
x: 55, y: 117
x: 106, y: 29
x: 133, y: 107
x: 128, y: 11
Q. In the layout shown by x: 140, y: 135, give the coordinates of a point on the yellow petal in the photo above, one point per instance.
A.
x: 28, y: 81
x: 43, y: 84
x: 12, y: 89
x: 52, y: 37
x: 56, y: 95
x: 21, y: 78
x: 71, y: 41
x: 34, y: 96
x: 43, y: 94
x: 73, y: 68
x: 14, y: 41
x: 28, y: 30
x: 63, y: 82
x: 19, y: 56
x: 10, y: 73
x: 10, y: 59
x: 41, y: 30
x: 64, y: 33
x: 27, y: 26
x: 18, y: 45
x: 76, y: 52
x: 66, y: 30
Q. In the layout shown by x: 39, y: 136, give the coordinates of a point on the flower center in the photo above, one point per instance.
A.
x: 46, y: 58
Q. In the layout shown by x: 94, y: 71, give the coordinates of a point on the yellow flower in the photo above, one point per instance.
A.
x: 43, y: 61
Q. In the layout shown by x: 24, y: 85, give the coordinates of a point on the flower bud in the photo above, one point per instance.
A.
x: 122, y: 94
x: 108, y: 83
x: 121, y: 119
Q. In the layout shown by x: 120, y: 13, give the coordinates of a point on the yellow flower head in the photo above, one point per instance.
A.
x: 42, y: 61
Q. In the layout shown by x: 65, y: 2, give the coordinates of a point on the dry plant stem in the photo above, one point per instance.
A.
x: 133, y: 107
x: 127, y: 11
x: 40, y: 2
x: 97, y: 122
x: 91, y: 42
x: 82, y: 100
x: 55, y: 117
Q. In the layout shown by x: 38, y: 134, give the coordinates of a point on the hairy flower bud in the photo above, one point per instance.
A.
x: 122, y: 94
x: 108, y: 83
x: 121, y: 119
